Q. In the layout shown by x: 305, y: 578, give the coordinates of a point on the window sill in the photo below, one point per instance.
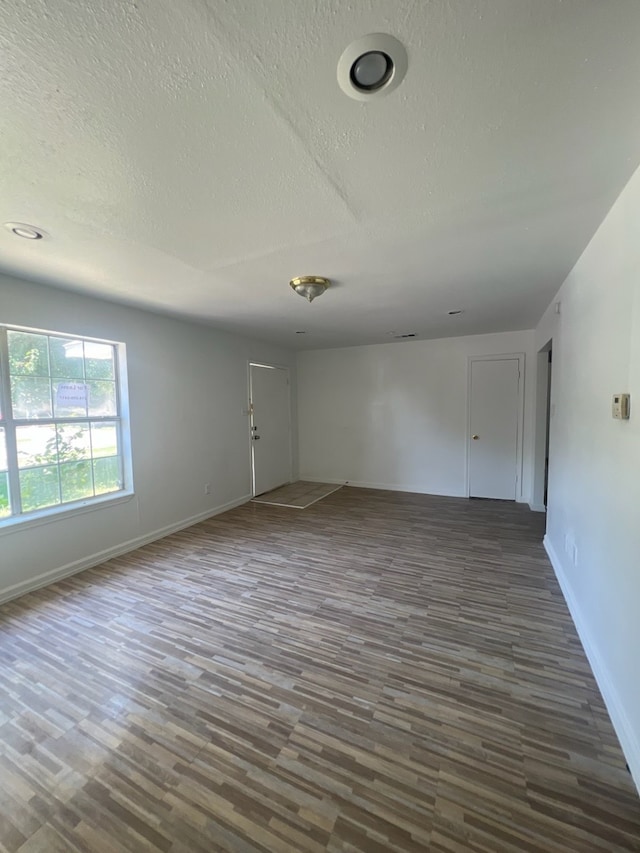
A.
x: 14, y: 524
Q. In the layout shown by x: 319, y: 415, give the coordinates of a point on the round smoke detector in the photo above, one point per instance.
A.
x: 372, y: 66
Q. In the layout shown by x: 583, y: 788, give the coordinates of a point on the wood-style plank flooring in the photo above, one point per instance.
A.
x: 381, y: 672
x: 298, y: 495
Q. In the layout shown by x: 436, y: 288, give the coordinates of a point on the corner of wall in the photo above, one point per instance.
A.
x: 60, y: 572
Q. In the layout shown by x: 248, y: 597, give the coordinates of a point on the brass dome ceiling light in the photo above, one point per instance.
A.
x: 309, y: 286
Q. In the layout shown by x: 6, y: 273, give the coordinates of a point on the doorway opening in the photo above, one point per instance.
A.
x: 544, y: 412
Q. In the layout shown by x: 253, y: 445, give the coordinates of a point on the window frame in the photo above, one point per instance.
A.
x: 10, y: 424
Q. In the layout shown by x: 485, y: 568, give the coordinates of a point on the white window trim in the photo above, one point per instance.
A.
x: 13, y: 523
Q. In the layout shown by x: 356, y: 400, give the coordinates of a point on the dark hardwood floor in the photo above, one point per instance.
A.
x: 379, y: 672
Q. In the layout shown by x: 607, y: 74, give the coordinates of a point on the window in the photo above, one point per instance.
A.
x: 61, y: 422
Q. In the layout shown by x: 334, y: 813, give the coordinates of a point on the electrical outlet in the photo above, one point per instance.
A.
x: 207, y: 488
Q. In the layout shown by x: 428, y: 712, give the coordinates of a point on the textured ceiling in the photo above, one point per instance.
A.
x: 193, y: 156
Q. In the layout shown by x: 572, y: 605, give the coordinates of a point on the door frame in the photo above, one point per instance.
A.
x: 520, y: 357
x: 269, y: 366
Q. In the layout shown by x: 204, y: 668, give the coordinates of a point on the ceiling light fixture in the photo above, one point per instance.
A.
x: 20, y: 229
x: 371, y: 66
x: 371, y: 71
x: 309, y: 286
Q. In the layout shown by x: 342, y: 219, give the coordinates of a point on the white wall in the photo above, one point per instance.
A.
x: 394, y: 415
x: 187, y: 389
x: 594, y: 478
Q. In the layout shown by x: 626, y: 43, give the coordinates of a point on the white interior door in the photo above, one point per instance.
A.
x: 494, y: 421
x: 270, y: 427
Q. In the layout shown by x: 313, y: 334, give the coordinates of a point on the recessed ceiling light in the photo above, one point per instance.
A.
x: 371, y: 70
x: 29, y: 232
x: 371, y: 66
x: 456, y: 312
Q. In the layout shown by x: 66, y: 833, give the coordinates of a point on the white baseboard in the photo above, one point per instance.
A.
x: 537, y: 507
x: 629, y: 740
x: 76, y: 566
x: 387, y: 487
x: 400, y: 487
x: 322, y: 480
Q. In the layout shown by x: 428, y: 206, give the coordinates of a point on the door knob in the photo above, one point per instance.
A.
x: 475, y: 437
x: 256, y: 437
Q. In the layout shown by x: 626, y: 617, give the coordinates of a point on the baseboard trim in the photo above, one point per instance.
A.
x: 53, y: 575
x: 537, y: 507
x: 399, y: 487
x: 386, y: 487
x: 623, y: 728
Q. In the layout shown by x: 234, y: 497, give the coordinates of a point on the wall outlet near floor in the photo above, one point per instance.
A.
x: 207, y: 488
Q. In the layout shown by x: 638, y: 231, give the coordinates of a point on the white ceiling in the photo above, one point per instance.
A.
x: 193, y: 156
